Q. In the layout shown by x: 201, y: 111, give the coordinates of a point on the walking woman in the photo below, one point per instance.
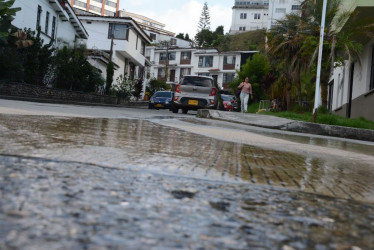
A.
x: 246, y: 90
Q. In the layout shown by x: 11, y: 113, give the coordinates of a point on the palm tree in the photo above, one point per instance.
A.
x: 295, y: 41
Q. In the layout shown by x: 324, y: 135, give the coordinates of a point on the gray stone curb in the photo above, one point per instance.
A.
x: 278, y: 123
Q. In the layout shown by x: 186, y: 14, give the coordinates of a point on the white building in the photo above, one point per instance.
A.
x: 189, y: 61
x: 351, y: 88
x: 249, y: 15
x: 55, y: 18
x: 156, y: 30
x: 99, y: 7
x: 127, y: 46
x: 278, y: 9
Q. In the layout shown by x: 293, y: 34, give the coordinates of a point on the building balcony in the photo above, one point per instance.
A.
x: 185, y: 61
x: 228, y: 66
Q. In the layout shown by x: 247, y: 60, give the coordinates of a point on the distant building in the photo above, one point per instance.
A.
x: 55, y: 18
x: 249, y: 15
x: 99, y: 7
x: 155, y: 30
x: 278, y: 9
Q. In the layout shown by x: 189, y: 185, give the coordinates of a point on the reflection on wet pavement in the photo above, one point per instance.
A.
x: 147, y: 146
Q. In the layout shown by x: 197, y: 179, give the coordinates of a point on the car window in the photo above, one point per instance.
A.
x: 226, y: 98
x: 197, y: 81
x: 163, y: 94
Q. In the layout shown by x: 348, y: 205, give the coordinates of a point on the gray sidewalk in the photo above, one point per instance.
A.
x: 273, y: 122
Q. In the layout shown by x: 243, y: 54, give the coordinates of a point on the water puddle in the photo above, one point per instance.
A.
x: 147, y: 146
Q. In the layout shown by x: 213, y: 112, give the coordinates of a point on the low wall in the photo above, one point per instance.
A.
x: 41, y: 92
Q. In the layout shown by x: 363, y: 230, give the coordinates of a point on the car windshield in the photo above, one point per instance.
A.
x: 226, y: 98
x: 197, y: 81
x: 162, y: 94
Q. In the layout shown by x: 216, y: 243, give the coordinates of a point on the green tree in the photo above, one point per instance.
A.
x: 180, y: 36
x: 155, y: 85
x: 7, y: 14
x: 204, y: 22
x: 187, y: 37
x: 109, y: 77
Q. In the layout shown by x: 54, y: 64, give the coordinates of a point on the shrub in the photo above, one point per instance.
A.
x: 155, y: 85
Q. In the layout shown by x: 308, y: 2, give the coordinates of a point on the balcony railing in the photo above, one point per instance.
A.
x: 185, y: 61
x: 228, y: 66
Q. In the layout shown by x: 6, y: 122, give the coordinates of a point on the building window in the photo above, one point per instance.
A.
x: 163, y: 56
x: 53, y: 27
x: 372, y: 71
x: 173, y: 41
x: 118, y: 31
x: 96, y: 9
x: 243, y: 15
x: 109, y: 13
x: 205, y: 61
x: 296, y: 7
x: 228, y: 77
x: 80, y: 4
x: 280, y: 10
x: 229, y: 60
x: 257, y: 16
x: 111, y: 4
x: 38, y: 17
x: 186, y: 55
x: 242, y: 28
x: 152, y: 36
x: 137, y: 40
x: 142, y: 48
x: 46, y: 22
x: 172, y: 56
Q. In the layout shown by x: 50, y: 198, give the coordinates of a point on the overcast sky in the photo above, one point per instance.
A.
x: 182, y: 16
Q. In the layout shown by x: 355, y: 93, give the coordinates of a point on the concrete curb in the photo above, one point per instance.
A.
x: 278, y: 123
x: 56, y: 101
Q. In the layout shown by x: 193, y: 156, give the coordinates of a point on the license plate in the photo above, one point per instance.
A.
x: 193, y: 102
x: 158, y: 105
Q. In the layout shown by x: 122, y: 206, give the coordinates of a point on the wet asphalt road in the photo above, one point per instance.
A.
x: 74, y: 177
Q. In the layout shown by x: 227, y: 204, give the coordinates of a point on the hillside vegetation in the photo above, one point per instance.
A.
x: 251, y: 40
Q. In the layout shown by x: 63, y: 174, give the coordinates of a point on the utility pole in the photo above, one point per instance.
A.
x: 111, y: 48
x: 317, y: 98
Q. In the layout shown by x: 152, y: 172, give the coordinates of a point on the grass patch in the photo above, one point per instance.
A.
x: 253, y: 107
x: 329, y: 119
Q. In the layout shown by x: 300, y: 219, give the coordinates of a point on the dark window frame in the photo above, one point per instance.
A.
x: 371, y: 86
x: 38, y: 17
x: 46, y: 28
x: 53, y: 27
x: 110, y: 31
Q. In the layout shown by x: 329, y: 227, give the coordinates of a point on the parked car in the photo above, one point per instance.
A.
x: 228, y: 102
x: 160, y: 100
x: 193, y: 93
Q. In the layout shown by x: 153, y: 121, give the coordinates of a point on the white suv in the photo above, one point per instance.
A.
x: 193, y: 93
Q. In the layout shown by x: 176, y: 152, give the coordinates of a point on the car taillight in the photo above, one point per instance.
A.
x: 177, y: 89
x: 214, y: 92
x: 175, y: 99
x: 212, y: 102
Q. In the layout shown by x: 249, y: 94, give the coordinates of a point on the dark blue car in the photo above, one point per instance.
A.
x: 160, y: 100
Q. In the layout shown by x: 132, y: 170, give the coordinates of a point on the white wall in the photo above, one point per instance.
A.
x: 249, y: 23
x: 361, y: 78
x: 276, y: 5
x: 27, y: 18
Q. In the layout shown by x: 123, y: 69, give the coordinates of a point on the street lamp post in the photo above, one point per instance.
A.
x: 317, y: 98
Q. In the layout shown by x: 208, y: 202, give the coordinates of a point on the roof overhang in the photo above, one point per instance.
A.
x: 120, y: 20
x: 67, y: 14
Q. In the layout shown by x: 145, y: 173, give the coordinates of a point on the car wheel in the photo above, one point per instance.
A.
x: 184, y: 111
x: 174, y: 109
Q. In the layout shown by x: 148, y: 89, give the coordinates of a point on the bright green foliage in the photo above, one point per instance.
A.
x: 73, y: 72
x: 7, y: 14
x: 156, y: 85
x: 125, y: 87
x: 109, y: 77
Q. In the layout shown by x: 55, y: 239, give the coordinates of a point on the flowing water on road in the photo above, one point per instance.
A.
x: 144, y: 145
